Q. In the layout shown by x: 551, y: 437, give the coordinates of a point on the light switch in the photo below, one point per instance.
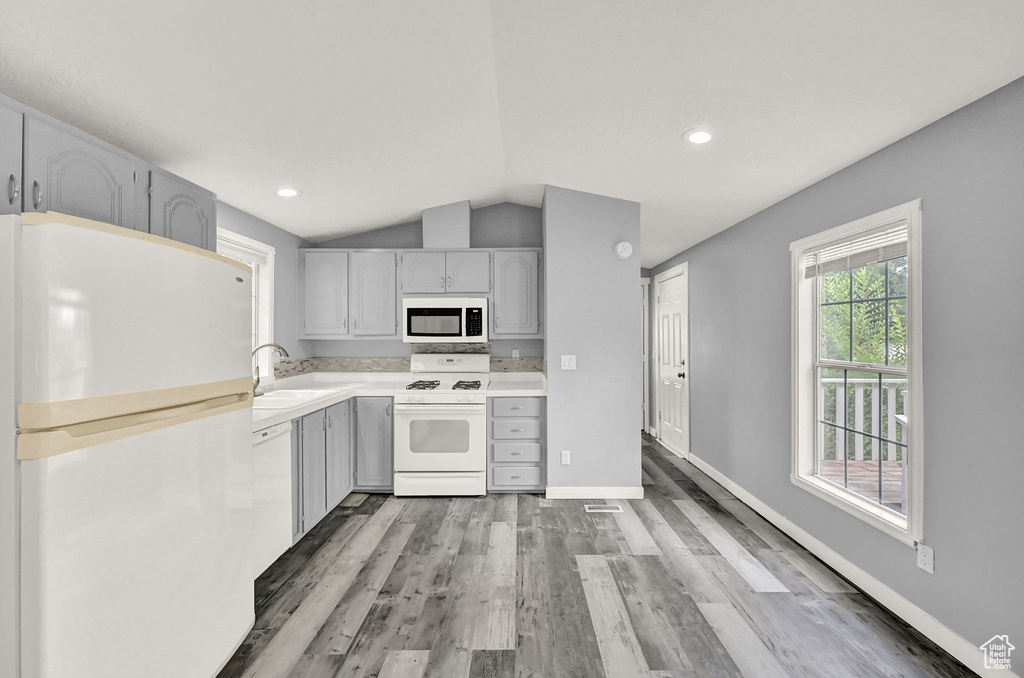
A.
x: 568, y: 362
x: 515, y: 353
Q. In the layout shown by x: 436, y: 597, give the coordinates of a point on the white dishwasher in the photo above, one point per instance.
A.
x: 271, y: 495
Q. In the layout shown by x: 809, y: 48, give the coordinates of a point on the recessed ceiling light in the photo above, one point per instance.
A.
x: 288, y: 192
x: 697, y: 136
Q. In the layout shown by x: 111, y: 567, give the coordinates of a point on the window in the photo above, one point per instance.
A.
x: 856, y: 368
x: 260, y: 258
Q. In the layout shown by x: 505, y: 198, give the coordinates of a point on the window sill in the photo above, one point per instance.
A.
x: 886, y: 520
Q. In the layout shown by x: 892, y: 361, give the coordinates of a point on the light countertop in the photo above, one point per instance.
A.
x: 324, y: 389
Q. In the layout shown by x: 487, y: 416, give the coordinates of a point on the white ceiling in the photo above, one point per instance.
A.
x: 378, y: 109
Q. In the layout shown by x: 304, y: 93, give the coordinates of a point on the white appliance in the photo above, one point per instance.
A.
x: 441, y: 426
x: 134, y: 452
x: 271, y: 495
x: 449, y: 320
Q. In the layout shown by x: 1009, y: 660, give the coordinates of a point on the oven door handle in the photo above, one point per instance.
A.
x: 439, y: 408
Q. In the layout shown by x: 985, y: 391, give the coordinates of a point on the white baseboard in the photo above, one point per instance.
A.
x: 936, y: 631
x: 594, y: 493
x: 653, y: 432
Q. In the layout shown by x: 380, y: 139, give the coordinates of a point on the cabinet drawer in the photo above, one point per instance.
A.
x: 517, y: 407
x: 523, y: 429
x: 516, y: 476
x: 516, y: 452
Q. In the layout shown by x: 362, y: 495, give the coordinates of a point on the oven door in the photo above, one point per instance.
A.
x: 433, y: 437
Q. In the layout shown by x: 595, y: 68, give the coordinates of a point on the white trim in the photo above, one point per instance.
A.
x: 668, y: 274
x: 950, y: 641
x: 645, y: 284
x: 594, y: 493
x: 263, y: 255
x: 803, y: 429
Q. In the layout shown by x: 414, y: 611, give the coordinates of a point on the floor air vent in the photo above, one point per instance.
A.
x: 603, y: 508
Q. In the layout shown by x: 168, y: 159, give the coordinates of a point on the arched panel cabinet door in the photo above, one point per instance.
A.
x: 10, y: 161
x: 68, y: 174
x: 180, y: 212
x: 516, y: 296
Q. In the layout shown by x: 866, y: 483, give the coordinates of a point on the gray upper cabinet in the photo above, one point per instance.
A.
x: 180, y: 212
x: 340, y: 444
x: 373, y: 293
x: 468, y: 272
x: 516, y: 308
x: 423, y: 272
x: 374, y: 444
x: 66, y: 173
x: 10, y: 161
x: 324, y: 278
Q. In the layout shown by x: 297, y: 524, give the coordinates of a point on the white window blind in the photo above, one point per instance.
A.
x: 880, y: 244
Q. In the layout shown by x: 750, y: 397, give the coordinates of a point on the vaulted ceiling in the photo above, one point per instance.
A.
x: 377, y: 109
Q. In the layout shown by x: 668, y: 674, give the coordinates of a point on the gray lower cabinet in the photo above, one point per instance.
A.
x: 516, y: 308
x: 180, y: 212
x: 10, y: 161
x: 314, y: 469
x: 340, y: 447
x: 322, y: 450
x: 374, y: 458
x: 373, y: 294
x: 69, y: 174
x: 516, y: 444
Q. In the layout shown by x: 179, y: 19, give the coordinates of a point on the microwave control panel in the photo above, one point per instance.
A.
x: 474, y: 322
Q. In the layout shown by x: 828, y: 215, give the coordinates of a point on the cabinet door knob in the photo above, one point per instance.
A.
x: 14, y: 190
x: 37, y: 195
x: 517, y: 453
x: 442, y: 282
x: 449, y: 281
x: 682, y: 375
x: 517, y: 430
x: 516, y: 477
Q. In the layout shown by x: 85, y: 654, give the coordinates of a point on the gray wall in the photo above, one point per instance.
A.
x: 591, y: 313
x: 969, y: 170
x: 286, y: 273
x: 400, y: 236
x: 503, y: 225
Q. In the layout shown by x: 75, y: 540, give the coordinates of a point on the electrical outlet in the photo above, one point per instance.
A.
x: 926, y: 558
x: 515, y: 353
x: 568, y: 362
x: 565, y: 457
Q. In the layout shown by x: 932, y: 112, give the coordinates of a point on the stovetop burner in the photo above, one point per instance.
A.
x: 423, y: 385
x: 466, y: 386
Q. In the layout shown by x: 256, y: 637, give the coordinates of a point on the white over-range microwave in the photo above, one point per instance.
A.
x: 450, y: 320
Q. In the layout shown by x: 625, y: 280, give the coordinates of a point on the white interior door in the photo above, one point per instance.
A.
x: 673, y: 356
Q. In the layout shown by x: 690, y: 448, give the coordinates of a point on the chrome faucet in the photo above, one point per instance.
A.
x: 256, y: 379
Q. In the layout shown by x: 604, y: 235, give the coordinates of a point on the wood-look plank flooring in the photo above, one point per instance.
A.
x: 686, y: 582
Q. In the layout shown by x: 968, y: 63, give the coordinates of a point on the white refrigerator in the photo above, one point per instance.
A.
x: 131, y: 518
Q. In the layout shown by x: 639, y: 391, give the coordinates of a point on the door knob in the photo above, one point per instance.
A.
x: 682, y: 375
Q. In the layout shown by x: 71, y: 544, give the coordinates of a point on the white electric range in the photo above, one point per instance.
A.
x: 441, y: 426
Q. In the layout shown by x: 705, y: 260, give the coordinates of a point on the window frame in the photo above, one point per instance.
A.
x: 805, y: 343
x: 249, y: 251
